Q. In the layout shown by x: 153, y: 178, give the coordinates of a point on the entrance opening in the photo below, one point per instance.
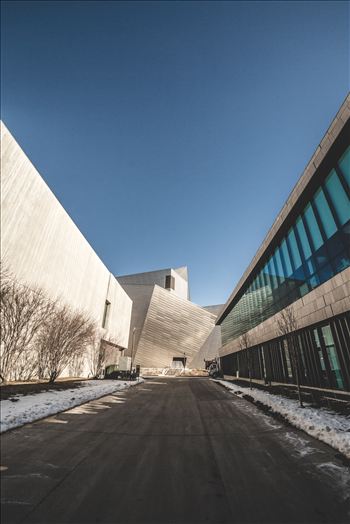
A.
x: 179, y: 362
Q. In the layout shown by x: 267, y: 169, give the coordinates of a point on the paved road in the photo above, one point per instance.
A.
x: 170, y: 451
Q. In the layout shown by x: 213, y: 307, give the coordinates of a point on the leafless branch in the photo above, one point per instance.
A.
x: 63, y: 339
x: 23, y: 312
x: 287, y: 325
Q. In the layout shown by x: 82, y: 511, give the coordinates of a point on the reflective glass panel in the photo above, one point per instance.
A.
x: 303, y: 238
x: 338, y: 197
x: 279, y: 266
x: 272, y: 273
x: 286, y: 353
x: 319, y: 349
x: 294, y: 249
x: 332, y: 356
x: 325, y: 213
x: 262, y: 285
x: 344, y: 164
x: 285, y: 254
x: 267, y: 279
x: 311, y: 222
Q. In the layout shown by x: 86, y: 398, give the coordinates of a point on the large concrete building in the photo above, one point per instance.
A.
x: 167, y: 329
x: 42, y: 246
x: 303, y: 263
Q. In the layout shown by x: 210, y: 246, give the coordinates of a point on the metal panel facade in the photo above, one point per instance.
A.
x: 173, y: 327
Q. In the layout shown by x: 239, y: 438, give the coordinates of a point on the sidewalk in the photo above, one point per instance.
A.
x: 321, y: 423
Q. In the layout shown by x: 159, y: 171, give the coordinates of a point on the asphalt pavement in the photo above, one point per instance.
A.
x: 177, y: 451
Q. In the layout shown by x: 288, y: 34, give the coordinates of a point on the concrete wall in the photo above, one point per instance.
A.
x: 327, y: 300
x: 141, y: 297
x: 43, y: 247
x: 151, y: 278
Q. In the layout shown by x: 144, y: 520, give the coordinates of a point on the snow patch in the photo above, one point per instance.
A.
x: 40, y: 405
x: 329, y: 427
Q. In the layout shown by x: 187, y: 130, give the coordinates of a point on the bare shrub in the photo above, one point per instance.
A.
x: 103, y: 352
x: 63, y: 339
x: 96, y: 356
x: 23, y: 313
x: 244, y: 343
x: 287, y: 326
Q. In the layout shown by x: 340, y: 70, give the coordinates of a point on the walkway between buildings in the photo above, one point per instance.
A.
x: 171, y: 450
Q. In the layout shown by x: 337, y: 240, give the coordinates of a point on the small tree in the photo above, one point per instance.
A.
x: 23, y: 313
x: 287, y: 326
x: 63, y: 339
x: 244, y: 343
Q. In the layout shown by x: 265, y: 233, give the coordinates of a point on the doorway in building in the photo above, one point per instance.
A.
x: 178, y: 362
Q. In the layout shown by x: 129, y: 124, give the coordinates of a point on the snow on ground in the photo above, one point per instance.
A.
x: 29, y: 408
x: 332, y: 428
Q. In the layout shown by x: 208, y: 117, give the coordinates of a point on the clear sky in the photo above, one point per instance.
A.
x: 173, y: 132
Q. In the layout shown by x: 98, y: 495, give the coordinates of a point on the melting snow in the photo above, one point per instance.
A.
x: 332, y: 428
x: 40, y: 405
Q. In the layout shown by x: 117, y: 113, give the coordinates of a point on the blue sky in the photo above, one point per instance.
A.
x: 173, y: 132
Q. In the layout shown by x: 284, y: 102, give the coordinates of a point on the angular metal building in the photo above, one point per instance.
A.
x: 167, y: 329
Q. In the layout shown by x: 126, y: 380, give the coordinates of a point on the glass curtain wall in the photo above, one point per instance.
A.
x: 316, y: 247
x: 323, y: 354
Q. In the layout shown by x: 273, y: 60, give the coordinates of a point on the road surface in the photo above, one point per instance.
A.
x: 177, y: 451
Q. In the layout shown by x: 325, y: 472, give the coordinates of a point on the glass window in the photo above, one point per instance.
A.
x: 314, y: 281
x: 279, y: 266
x: 311, y: 221
x: 332, y: 356
x: 341, y: 261
x: 286, y: 353
x: 344, y: 164
x: 263, y: 361
x: 338, y: 197
x: 294, y: 249
x: 262, y: 285
x: 266, y: 277
x: 272, y: 273
x: 285, y: 254
x: 325, y: 213
x: 319, y: 349
x: 106, y: 314
x: 303, y: 238
x: 301, y: 349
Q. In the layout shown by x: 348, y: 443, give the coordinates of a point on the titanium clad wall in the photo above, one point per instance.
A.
x: 173, y: 326
x: 42, y: 246
x: 209, y: 350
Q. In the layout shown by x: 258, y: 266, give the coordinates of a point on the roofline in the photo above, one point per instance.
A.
x: 334, y: 130
x: 147, y: 272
